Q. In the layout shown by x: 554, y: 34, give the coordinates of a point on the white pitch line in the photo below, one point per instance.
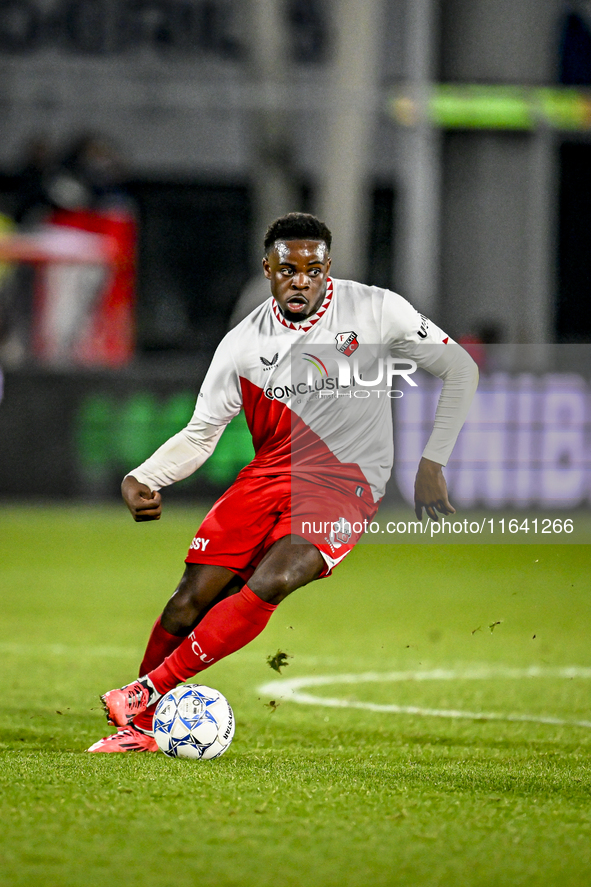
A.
x: 290, y: 690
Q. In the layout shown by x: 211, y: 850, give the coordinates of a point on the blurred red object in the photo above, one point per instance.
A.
x: 85, y: 286
x: 476, y: 348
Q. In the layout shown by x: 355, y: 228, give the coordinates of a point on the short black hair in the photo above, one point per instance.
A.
x: 297, y: 226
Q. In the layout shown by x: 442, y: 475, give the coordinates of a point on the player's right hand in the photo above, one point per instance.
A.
x: 144, y: 503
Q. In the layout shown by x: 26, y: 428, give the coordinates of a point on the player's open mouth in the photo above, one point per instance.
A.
x: 297, y: 304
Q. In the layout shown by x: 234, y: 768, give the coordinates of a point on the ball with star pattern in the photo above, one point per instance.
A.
x: 193, y: 721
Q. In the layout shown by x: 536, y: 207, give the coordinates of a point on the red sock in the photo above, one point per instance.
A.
x: 228, y: 627
x: 160, y: 645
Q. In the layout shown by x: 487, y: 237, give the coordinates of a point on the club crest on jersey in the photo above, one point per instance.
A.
x: 340, y: 533
x: 269, y: 364
x: 347, y: 343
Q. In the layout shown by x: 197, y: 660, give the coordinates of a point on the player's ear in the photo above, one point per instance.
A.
x: 266, y: 268
x: 328, y: 264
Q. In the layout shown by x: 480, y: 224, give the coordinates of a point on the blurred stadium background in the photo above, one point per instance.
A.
x: 147, y: 144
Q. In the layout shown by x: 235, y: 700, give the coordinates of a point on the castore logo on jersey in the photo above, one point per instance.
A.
x: 269, y: 365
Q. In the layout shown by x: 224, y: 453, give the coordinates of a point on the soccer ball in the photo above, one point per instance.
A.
x: 193, y: 721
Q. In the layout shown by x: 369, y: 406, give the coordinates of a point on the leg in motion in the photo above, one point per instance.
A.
x: 226, y: 627
x: 199, y: 589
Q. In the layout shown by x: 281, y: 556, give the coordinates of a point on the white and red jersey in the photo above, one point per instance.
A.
x: 287, y: 376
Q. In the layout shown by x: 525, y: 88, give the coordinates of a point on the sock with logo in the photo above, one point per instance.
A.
x: 227, y: 627
x: 160, y: 645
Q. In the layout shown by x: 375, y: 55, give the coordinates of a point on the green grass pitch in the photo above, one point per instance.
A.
x: 308, y: 794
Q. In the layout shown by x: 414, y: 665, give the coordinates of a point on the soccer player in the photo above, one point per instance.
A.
x: 323, y: 444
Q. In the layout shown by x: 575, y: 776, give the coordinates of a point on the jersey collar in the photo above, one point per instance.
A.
x: 304, y: 325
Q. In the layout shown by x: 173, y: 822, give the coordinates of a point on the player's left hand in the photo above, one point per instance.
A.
x: 431, y: 491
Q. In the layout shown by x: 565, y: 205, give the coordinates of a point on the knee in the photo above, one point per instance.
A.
x: 282, y: 584
x: 184, y: 600
x: 284, y: 568
x: 182, y: 610
x: 200, y: 587
x: 274, y: 586
x: 179, y: 615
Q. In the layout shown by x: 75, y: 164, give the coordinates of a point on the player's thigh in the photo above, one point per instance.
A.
x: 237, y: 530
x: 290, y: 563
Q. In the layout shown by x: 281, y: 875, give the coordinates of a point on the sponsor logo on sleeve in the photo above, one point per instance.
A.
x: 423, y: 332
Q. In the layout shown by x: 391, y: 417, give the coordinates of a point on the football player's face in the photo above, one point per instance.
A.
x: 297, y: 270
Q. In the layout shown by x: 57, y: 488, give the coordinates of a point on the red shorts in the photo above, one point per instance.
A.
x: 257, y: 511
